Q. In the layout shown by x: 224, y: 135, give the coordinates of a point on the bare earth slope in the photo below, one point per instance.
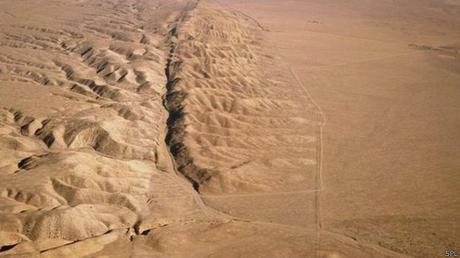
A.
x: 182, y: 129
x: 245, y: 127
x: 85, y: 171
x: 386, y: 75
x: 83, y: 125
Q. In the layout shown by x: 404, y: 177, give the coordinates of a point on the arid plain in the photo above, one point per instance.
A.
x: 229, y: 128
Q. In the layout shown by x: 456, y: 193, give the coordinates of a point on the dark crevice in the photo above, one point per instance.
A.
x: 7, y: 247
x: 145, y: 232
x: 173, y: 102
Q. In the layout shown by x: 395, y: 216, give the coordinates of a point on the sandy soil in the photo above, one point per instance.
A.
x: 386, y: 76
x: 229, y: 129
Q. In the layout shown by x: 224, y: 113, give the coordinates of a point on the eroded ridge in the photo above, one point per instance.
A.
x: 84, y: 169
x: 82, y: 126
x: 237, y: 124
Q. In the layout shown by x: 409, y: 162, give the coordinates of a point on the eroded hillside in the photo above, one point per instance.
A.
x: 155, y: 129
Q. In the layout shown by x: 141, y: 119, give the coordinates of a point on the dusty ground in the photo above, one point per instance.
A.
x: 229, y: 129
x: 386, y: 75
